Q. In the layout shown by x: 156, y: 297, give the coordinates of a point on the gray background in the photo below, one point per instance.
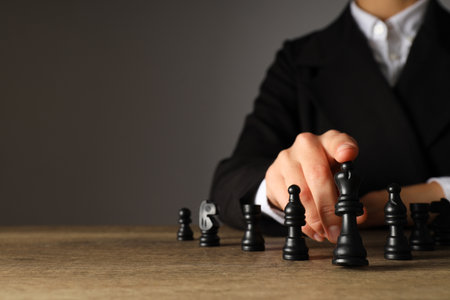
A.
x: 117, y: 112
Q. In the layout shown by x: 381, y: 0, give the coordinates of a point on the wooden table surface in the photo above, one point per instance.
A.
x: 149, y: 263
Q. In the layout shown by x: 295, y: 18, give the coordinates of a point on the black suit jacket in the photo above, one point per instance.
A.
x: 330, y: 80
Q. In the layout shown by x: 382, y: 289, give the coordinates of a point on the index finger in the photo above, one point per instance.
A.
x: 339, y: 147
x: 319, y: 178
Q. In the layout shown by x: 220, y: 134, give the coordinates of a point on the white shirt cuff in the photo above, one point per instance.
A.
x: 261, y: 199
x: 444, y: 182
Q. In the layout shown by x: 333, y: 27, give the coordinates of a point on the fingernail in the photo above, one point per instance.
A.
x: 333, y: 233
x: 345, y: 147
x: 318, y: 237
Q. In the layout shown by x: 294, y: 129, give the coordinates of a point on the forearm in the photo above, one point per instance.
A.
x: 375, y: 201
x: 421, y: 193
x: 235, y: 182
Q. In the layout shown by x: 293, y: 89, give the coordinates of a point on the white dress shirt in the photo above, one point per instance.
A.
x: 390, y: 41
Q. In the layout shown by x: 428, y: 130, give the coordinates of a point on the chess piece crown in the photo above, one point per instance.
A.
x: 348, y: 186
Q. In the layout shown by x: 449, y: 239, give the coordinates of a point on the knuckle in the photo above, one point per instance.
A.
x: 305, y: 197
x: 305, y: 194
x: 305, y: 138
x: 283, y: 155
x: 314, y: 222
x: 326, y: 211
x: 319, y: 173
x: 331, y: 133
x: 273, y: 176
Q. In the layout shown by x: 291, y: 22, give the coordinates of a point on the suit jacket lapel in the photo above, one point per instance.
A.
x: 423, y: 86
x: 351, y: 90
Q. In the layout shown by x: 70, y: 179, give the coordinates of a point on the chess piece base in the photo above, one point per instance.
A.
x: 295, y: 248
x: 422, y: 247
x: 253, y: 247
x: 398, y: 256
x: 209, y: 238
x: 350, y: 261
x: 442, y: 242
x: 209, y: 244
x: 350, y: 251
x: 185, y: 233
x: 442, y: 238
x: 295, y: 256
x: 397, y: 248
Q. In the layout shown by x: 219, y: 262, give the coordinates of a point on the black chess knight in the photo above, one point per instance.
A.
x: 209, y: 226
x: 397, y: 246
x: 349, y: 250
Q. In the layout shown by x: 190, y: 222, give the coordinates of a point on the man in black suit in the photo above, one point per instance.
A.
x: 329, y: 97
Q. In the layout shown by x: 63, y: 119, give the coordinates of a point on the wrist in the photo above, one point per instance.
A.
x: 436, y: 190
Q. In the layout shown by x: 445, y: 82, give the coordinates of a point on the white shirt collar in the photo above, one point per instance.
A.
x: 407, y: 22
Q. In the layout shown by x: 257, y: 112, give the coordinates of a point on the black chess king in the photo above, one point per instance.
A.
x: 349, y: 250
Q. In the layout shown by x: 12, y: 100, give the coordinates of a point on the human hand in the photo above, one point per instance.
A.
x: 310, y: 163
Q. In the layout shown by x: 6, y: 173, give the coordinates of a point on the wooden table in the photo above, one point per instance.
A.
x: 148, y: 262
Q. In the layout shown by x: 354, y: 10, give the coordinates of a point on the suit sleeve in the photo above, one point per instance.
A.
x: 271, y: 127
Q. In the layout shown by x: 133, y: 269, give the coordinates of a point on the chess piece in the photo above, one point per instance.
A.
x: 185, y: 232
x: 397, y: 246
x: 295, y: 247
x: 420, y: 238
x: 349, y: 250
x: 253, y: 239
x: 441, y: 224
x: 209, y: 226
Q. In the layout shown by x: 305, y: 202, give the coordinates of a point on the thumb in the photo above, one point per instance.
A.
x: 361, y: 219
x: 339, y: 146
x: 347, y: 151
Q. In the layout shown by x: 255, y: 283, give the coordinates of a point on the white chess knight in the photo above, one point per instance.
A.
x: 207, y: 210
x: 208, y: 225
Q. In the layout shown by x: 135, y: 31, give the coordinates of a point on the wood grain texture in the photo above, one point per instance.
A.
x: 148, y: 262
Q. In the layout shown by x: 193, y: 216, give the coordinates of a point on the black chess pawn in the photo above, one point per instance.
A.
x: 252, y: 239
x: 295, y: 247
x: 208, y: 224
x: 349, y: 250
x: 185, y: 232
x: 397, y: 246
x: 441, y: 224
x: 420, y: 238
